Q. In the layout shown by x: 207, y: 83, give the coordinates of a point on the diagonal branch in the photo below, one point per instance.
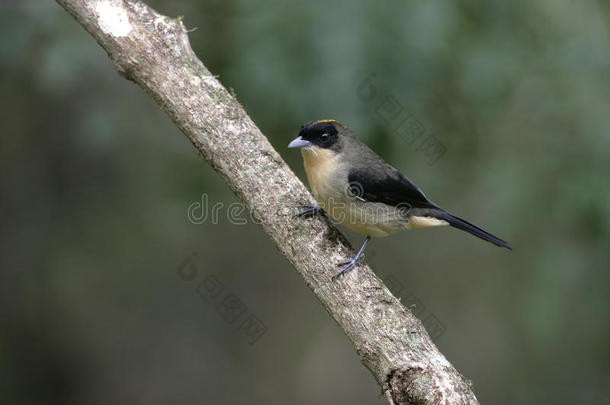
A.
x: 153, y: 51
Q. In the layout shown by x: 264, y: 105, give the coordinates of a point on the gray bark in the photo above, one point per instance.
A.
x: 153, y: 51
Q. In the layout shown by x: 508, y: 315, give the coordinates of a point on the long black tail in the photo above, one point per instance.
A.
x: 459, y: 223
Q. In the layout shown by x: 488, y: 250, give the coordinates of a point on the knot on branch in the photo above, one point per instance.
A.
x: 418, y: 386
x: 407, y: 386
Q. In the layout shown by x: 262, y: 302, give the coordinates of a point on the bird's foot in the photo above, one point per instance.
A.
x: 349, y: 264
x: 309, y: 211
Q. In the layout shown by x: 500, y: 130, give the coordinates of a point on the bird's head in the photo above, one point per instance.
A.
x: 329, y: 135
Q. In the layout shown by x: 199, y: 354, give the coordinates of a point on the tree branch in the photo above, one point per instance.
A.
x: 153, y: 51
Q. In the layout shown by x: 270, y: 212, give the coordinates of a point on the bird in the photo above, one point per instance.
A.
x: 358, y: 189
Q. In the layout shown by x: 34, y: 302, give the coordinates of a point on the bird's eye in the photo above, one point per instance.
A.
x: 324, y: 137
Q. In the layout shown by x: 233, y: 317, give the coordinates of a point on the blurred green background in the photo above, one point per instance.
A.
x: 96, y: 183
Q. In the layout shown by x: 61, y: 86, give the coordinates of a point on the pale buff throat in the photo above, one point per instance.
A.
x: 321, y: 166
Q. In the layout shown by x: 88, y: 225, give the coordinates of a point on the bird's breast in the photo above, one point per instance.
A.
x: 325, y: 175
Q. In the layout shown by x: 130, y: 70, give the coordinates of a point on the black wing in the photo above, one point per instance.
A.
x: 388, y: 186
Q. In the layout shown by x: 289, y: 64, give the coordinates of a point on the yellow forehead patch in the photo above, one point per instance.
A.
x: 335, y: 121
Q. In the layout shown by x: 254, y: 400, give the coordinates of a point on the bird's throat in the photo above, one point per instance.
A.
x: 320, y: 166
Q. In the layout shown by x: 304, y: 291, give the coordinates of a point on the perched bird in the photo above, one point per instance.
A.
x: 358, y: 189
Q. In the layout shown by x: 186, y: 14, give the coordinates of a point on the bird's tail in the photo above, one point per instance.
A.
x: 459, y: 223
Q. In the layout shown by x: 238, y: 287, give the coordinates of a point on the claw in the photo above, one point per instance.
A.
x: 350, y: 265
x: 309, y: 211
x: 355, y: 259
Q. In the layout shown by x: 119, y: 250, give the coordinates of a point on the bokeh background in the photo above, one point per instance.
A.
x: 101, y: 265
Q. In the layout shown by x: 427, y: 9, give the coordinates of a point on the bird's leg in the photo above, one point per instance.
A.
x: 310, y: 211
x: 350, y: 264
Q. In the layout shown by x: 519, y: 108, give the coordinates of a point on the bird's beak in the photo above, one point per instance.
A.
x: 299, y: 142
